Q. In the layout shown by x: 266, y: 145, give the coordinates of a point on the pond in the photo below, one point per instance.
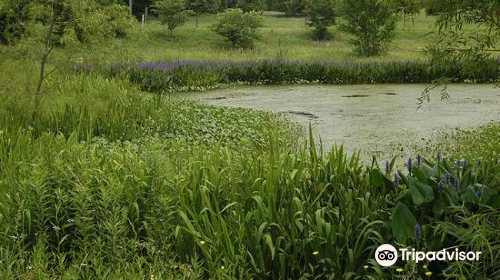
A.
x: 375, y: 118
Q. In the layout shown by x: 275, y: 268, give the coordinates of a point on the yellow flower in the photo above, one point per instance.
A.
x: 222, y: 267
x: 399, y: 269
x: 425, y: 266
x: 202, y: 242
x: 152, y: 276
x: 315, y: 253
x: 428, y: 273
x: 365, y: 267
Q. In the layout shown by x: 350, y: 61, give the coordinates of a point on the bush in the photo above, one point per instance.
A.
x: 173, y: 13
x: 372, y: 22
x: 15, y: 17
x: 238, y: 27
x: 320, y: 15
x: 86, y: 21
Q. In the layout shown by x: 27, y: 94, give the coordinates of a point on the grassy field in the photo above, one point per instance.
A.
x: 281, y: 36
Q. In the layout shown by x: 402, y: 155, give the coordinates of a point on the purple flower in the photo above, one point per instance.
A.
x: 456, y: 185
x: 387, y: 167
x: 396, y: 180
x: 418, y: 232
x: 441, y: 186
x: 447, y: 178
x: 409, y: 164
x: 478, y: 163
x: 459, y: 163
x: 419, y: 159
x: 479, y: 193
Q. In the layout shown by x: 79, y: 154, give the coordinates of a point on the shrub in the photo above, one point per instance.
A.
x: 173, y: 13
x: 15, y: 17
x: 372, y: 22
x: 238, y: 27
x: 86, y: 21
x: 320, y: 15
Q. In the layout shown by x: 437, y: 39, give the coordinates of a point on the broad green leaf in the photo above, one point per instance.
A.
x: 403, y: 223
x: 420, y: 193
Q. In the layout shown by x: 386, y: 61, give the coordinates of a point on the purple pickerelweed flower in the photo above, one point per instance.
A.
x: 478, y: 163
x: 396, y: 180
x: 441, y: 186
x: 418, y: 232
x: 456, y: 185
x: 459, y: 163
x: 447, y: 178
x: 409, y: 164
x: 387, y: 167
x: 479, y: 193
x: 419, y: 159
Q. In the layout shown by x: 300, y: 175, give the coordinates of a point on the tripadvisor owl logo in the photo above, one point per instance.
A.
x: 387, y: 255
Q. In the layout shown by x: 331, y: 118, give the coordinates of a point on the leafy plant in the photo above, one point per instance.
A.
x: 173, y: 13
x: 238, y: 27
x: 372, y: 22
x: 320, y: 15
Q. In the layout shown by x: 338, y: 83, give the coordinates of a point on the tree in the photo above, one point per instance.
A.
x: 407, y: 8
x: 173, y: 13
x: 15, y: 18
x: 250, y: 5
x: 320, y: 15
x: 238, y: 27
x: 203, y: 6
x: 294, y: 7
x: 372, y: 22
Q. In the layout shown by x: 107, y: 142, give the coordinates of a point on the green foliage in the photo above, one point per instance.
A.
x: 173, y: 13
x: 295, y: 7
x: 320, y: 15
x: 250, y: 5
x: 112, y: 183
x: 204, y: 6
x: 17, y: 18
x: 238, y: 27
x: 372, y: 22
x: 168, y: 77
x: 454, y: 43
x: 87, y: 22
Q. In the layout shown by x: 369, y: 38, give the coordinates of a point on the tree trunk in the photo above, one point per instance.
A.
x: 48, y: 49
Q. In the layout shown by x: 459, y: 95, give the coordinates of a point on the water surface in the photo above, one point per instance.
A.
x: 374, y: 118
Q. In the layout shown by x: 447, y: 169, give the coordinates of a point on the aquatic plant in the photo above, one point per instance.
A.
x: 199, y: 75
